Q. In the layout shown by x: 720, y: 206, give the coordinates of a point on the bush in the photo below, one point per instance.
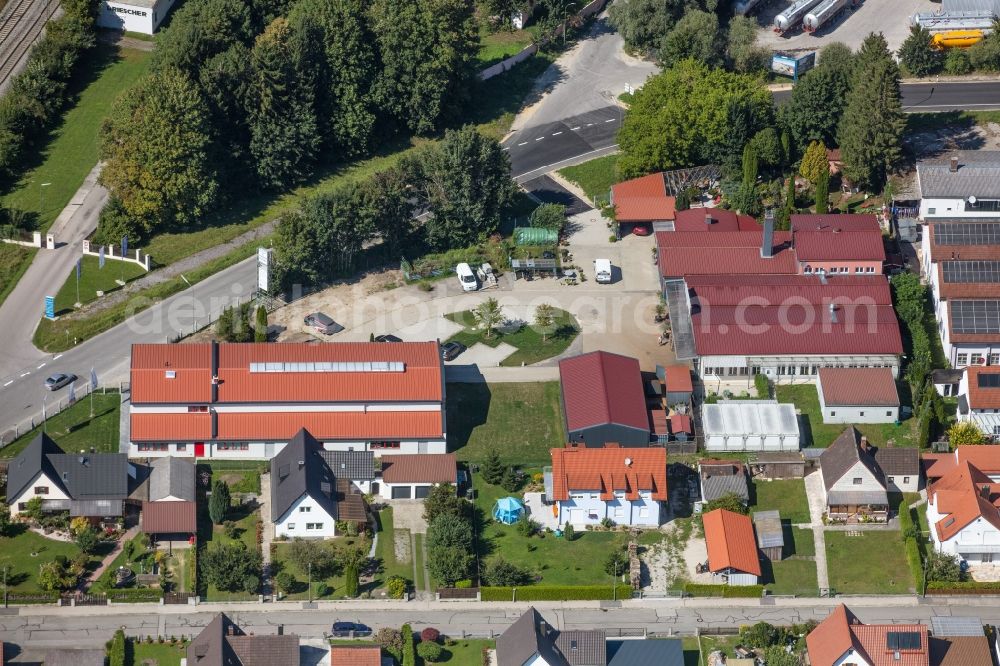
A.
x: 429, y: 652
x: 499, y: 572
x: 351, y: 581
x: 964, y: 587
x: 430, y: 634
x: 285, y: 581
x: 763, y: 386
x: 556, y: 593
x: 218, y: 503
x: 322, y: 589
x: 910, y: 545
x: 409, y: 655
x: 956, y: 62
x: 526, y: 527
x: 116, y: 650
x: 396, y: 587
x: 230, y: 529
x: 463, y: 584
x: 725, y: 591
x: 549, y: 216
x: 763, y: 634
x: 390, y: 640
x: 511, y: 481
x: 943, y: 568
x: 569, y: 533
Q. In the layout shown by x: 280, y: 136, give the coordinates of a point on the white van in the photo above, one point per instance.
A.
x: 466, y: 277
x: 602, y: 270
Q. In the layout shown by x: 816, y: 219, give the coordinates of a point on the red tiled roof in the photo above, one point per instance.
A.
x: 642, y: 199
x: 682, y: 253
x: 982, y: 397
x: 421, y: 379
x: 839, y: 246
x: 420, y: 468
x: 178, y: 427
x: 694, y: 219
x: 835, y: 221
x: 680, y: 423
x: 666, y: 240
x: 842, y: 631
x: 169, y: 518
x: 677, y: 379
x: 601, y: 387
x: 873, y: 639
x: 731, y: 542
x: 749, y: 289
x: 985, y: 458
x: 658, y: 421
x: 606, y: 470
x: 959, y: 499
x: 869, y: 387
x: 360, y: 655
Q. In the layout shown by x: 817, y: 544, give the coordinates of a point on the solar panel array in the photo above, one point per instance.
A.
x: 975, y: 317
x: 329, y: 366
x: 967, y: 233
x: 976, y: 271
x: 902, y: 640
x: 989, y: 381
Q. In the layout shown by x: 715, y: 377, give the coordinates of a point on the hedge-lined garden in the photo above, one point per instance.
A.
x: 556, y: 593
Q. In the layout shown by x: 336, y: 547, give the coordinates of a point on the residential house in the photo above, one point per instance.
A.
x: 413, y: 476
x: 603, y: 400
x: 858, y: 395
x: 838, y: 244
x: 644, y: 200
x: 627, y: 486
x: 843, y: 640
x: 979, y: 399
x: 169, y: 511
x: 961, y: 258
x: 312, y: 489
x: 223, y: 643
x: 248, y: 400
x: 770, y: 534
x: 962, y: 510
x: 855, y: 486
x: 358, y: 655
x: 732, y: 547
x: 532, y: 641
x: 713, y: 220
x: 750, y: 425
x: 87, y: 484
x: 985, y: 458
x: 958, y: 641
x: 965, y: 184
x: 722, y: 477
x: 901, y: 468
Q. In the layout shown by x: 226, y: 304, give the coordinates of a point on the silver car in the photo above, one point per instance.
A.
x: 58, y: 380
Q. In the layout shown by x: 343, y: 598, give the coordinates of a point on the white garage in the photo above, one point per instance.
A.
x: 750, y: 425
x: 411, y: 476
x: 143, y: 16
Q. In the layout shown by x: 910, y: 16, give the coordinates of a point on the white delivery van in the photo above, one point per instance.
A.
x: 602, y: 270
x: 466, y: 277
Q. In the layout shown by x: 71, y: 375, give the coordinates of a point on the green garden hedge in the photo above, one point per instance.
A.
x: 910, y: 545
x: 965, y: 587
x: 555, y: 593
x: 725, y: 591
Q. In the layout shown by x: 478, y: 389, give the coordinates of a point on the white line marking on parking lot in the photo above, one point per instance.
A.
x: 590, y: 124
x: 57, y: 357
x: 9, y: 383
x: 505, y: 148
x: 539, y: 138
x: 556, y: 133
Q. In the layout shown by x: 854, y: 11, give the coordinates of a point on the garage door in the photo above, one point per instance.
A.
x: 423, y: 491
x: 401, y: 492
x: 577, y: 516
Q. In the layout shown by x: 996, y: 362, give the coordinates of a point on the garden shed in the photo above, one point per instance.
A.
x: 770, y: 536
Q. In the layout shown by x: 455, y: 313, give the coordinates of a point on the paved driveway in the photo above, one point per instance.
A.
x: 408, y: 515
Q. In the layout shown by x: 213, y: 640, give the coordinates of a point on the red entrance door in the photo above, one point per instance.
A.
x: 199, y: 449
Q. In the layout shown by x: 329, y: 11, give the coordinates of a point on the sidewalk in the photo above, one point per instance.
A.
x: 814, y: 493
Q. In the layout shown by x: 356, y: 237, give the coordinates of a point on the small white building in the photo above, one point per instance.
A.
x: 963, y: 515
x: 750, y: 425
x: 406, y: 477
x: 143, y: 16
x: 858, y: 395
x: 625, y: 485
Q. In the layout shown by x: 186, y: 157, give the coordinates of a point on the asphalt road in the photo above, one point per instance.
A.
x: 91, y: 627
x: 22, y: 392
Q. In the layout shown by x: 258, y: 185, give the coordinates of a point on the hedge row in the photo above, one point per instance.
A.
x: 964, y: 587
x: 137, y: 595
x: 38, y: 94
x: 409, y: 651
x: 725, y: 591
x: 555, y: 593
x: 910, y: 545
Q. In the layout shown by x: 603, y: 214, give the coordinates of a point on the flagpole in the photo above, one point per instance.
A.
x: 78, y: 280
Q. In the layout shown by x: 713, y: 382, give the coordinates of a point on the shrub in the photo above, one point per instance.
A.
x: 322, y: 589
x: 285, y: 581
x: 430, y: 634
x: 526, y: 526
x: 569, y: 533
x: 429, y: 652
x: 511, y: 481
x: 390, y: 640
x: 763, y: 634
x: 956, y: 62
x: 501, y: 573
x: 963, y: 587
x: 556, y: 593
x: 351, y: 581
x: 409, y: 655
x: 942, y: 567
x: 116, y: 650
x: 492, y: 468
x: 218, y: 503
x: 396, y: 587
x: 230, y: 529
x: 463, y: 584
x: 763, y: 386
x: 725, y: 591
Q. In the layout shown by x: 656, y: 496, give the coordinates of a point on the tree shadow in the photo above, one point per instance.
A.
x: 467, y: 409
x: 805, y: 430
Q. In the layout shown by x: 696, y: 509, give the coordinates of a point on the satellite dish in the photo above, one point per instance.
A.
x: 972, y: 201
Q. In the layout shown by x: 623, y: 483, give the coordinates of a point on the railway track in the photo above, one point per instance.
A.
x: 23, y: 21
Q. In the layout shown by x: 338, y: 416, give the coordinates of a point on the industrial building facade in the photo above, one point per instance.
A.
x: 142, y: 16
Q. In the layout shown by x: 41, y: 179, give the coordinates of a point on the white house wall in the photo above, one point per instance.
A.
x: 969, y: 543
x: 304, y: 511
x: 55, y: 492
x: 134, y: 18
x: 902, y: 483
x: 950, y: 208
x: 267, y: 450
x: 587, y: 508
x: 868, y: 481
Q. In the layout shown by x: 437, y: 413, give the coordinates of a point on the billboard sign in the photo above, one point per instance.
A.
x: 264, y: 258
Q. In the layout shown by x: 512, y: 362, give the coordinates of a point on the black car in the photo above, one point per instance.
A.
x: 58, y: 380
x: 323, y: 323
x: 451, y: 350
x: 388, y: 337
x: 350, y: 630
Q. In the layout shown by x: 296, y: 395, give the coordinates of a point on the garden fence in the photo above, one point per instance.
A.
x: 51, y: 409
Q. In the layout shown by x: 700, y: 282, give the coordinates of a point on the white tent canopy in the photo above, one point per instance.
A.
x: 750, y: 425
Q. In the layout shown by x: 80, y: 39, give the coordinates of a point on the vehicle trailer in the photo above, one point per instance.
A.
x: 823, y: 13
x: 793, y: 15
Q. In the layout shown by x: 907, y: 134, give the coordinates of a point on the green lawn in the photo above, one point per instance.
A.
x: 595, y: 177
x: 142, y: 561
x: 819, y: 434
x: 786, y: 495
x: 522, y: 421
x: 246, y: 522
x: 422, y: 582
x: 94, y: 279
x: 555, y: 560
x: 336, y: 583
x: 73, y: 429
x: 497, y: 46
x: 531, y: 347
x: 465, y: 652
x: 14, y: 261
x: 154, y: 654
x: 385, y: 552
x: 794, y: 576
x: 72, y: 150
x: 16, y: 551
x: 873, y: 563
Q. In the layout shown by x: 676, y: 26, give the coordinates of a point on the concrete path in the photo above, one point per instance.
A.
x: 815, y: 495
x: 110, y: 557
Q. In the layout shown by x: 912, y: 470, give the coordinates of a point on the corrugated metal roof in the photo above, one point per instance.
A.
x: 769, y: 531
x: 714, y: 487
x: 978, y: 175
x: 956, y: 625
x: 420, y: 468
x: 600, y: 388
x: 858, y: 387
x: 169, y: 518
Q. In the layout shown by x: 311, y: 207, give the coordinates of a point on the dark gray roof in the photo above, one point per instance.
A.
x: 583, y: 648
x: 844, y: 497
x: 769, y: 531
x: 298, y: 470
x: 715, y: 487
x: 841, y: 456
x: 24, y: 468
x: 978, y: 175
x: 649, y: 652
x: 529, y: 635
x: 898, y: 461
x: 946, y: 376
x: 354, y: 465
x: 171, y: 477
x: 84, y: 476
x: 223, y: 643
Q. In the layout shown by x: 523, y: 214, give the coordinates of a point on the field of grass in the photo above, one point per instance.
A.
x: 793, y: 576
x: 819, y: 434
x: 246, y: 522
x: 595, y: 177
x: 466, y: 652
x: 531, y: 345
x: 786, y: 495
x: 16, y: 551
x: 385, y: 552
x: 497, y: 46
x: 553, y: 559
x: 873, y: 563
x: 14, y: 261
x: 73, y: 429
x: 72, y: 149
x: 154, y: 654
x: 522, y: 421
x: 336, y: 582
x: 94, y: 279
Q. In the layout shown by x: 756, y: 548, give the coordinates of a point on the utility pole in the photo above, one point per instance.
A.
x: 310, y: 567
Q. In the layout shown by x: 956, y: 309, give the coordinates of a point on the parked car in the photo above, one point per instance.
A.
x: 642, y: 229
x: 602, y: 270
x: 58, y: 380
x: 322, y: 323
x: 451, y: 350
x: 349, y: 629
x: 466, y: 277
x: 388, y: 337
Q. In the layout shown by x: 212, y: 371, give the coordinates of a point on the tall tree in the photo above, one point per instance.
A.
x: 696, y: 35
x: 489, y: 314
x: 200, y: 30
x: 742, y: 52
x: 917, y: 53
x: 225, y: 82
x: 283, y: 135
x: 817, y: 101
x: 823, y: 193
x: 428, y: 50
x: 387, y: 205
x: 871, y: 129
x: 643, y: 23
x: 155, y: 148
x: 218, y: 503
x: 814, y: 162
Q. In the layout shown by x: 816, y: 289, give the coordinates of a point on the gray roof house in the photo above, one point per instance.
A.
x: 171, y: 479
x: 93, y: 485
x: 305, y: 476
x: 854, y: 483
x: 722, y: 477
x: 961, y: 174
x: 533, y: 640
x: 223, y: 643
x: 651, y: 652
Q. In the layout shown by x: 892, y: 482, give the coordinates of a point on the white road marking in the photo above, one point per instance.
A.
x: 40, y: 367
x: 573, y: 129
x: 25, y: 374
x: 9, y: 383
x: 610, y: 120
x: 556, y: 133
x: 57, y: 357
x: 505, y: 148
x: 539, y: 138
x: 523, y: 143
x: 590, y: 124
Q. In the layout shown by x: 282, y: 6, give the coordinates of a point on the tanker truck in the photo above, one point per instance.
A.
x: 822, y: 14
x: 793, y: 15
x: 956, y: 39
